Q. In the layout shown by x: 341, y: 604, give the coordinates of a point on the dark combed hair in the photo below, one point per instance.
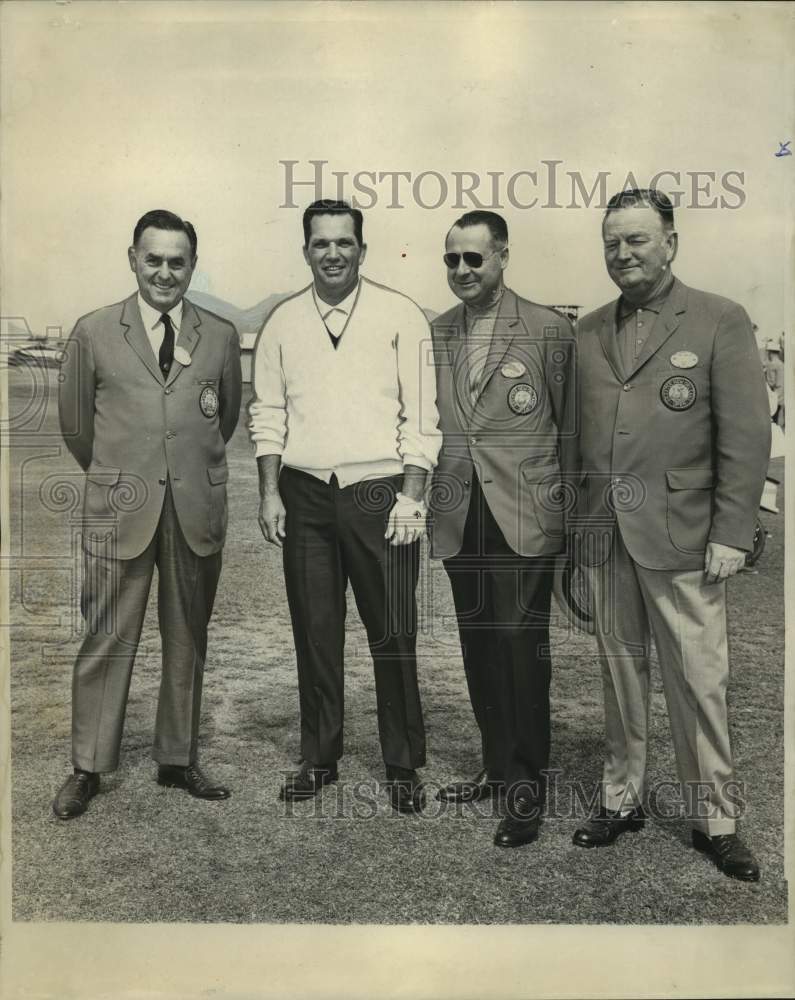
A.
x: 651, y: 197
x: 328, y: 207
x: 497, y: 226
x: 161, y: 218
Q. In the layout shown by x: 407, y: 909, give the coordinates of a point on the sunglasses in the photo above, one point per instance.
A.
x: 471, y: 258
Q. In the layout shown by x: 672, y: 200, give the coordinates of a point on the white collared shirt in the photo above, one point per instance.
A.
x: 153, y: 324
x: 336, y: 317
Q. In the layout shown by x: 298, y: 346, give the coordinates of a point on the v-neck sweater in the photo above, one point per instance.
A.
x: 363, y: 410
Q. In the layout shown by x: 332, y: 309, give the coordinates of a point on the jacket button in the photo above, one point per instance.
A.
x: 162, y: 482
x: 627, y: 387
x: 467, y: 482
x: 170, y: 434
x: 473, y: 440
x: 167, y: 392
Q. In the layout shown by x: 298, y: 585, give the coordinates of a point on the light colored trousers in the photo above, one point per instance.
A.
x: 687, y: 617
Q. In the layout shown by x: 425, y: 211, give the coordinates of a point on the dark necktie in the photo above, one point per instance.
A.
x: 166, y: 356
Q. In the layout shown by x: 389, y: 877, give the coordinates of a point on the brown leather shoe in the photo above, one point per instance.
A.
x: 192, y: 780
x: 605, y: 827
x: 307, y: 782
x: 729, y: 853
x: 75, y: 794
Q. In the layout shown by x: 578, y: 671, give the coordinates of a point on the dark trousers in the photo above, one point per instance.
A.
x: 335, y: 535
x: 114, y: 598
x: 502, y: 603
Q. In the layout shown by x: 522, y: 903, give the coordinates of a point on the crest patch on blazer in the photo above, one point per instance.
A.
x: 513, y: 369
x: 678, y: 392
x: 684, y: 359
x: 522, y: 398
x: 208, y: 401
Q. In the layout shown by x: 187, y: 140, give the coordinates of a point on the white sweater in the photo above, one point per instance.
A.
x: 364, y: 409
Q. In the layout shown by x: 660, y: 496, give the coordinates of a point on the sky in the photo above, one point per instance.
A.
x: 111, y: 109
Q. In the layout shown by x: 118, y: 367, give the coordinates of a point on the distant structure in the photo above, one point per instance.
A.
x: 570, y: 312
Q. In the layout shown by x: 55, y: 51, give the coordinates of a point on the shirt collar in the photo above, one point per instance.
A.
x: 626, y: 308
x: 490, y: 310
x: 151, y: 317
x: 346, y: 306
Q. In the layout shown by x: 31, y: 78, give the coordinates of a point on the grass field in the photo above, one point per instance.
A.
x: 145, y: 853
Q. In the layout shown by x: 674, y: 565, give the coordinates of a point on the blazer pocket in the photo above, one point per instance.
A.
x: 218, y: 474
x: 217, y: 513
x: 102, y: 475
x: 689, y: 508
x: 547, y: 497
x: 101, y: 481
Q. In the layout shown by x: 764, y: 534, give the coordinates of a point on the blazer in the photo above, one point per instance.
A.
x: 132, y: 432
x: 676, y: 450
x: 519, y: 436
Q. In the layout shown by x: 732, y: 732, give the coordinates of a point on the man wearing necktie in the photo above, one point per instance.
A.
x: 150, y: 395
x: 344, y: 423
x: 505, y: 369
x: 675, y: 443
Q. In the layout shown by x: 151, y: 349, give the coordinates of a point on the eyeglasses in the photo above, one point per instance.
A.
x: 471, y: 259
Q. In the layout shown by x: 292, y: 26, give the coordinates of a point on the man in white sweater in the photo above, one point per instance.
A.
x: 345, y: 427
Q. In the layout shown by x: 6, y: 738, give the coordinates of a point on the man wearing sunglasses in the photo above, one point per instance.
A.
x: 504, y: 389
x: 675, y: 445
x: 345, y: 427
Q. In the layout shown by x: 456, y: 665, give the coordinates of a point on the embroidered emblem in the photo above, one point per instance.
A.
x: 513, y: 369
x: 678, y: 393
x: 208, y: 401
x: 684, y: 359
x: 522, y: 398
x: 181, y: 355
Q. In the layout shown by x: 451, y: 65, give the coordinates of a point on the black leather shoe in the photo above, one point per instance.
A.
x: 307, y: 782
x: 471, y: 791
x: 730, y: 855
x: 75, y: 794
x: 192, y: 780
x: 405, y: 790
x: 520, y: 825
x: 605, y: 826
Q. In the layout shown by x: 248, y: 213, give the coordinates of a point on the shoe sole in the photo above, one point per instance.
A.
x: 166, y: 783
x: 632, y: 827
x: 516, y: 843
x: 69, y: 816
x: 303, y: 796
x: 466, y: 799
x: 411, y: 810
x: 417, y: 804
x: 740, y: 878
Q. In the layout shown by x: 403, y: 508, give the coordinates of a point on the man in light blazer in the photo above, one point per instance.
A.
x: 150, y: 396
x: 505, y: 392
x: 675, y: 444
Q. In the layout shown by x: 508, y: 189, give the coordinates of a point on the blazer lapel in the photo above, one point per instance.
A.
x: 608, y: 337
x: 504, y: 331
x: 188, y: 338
x: 449, y: 359
x: 665, y: 324
x: 136, y: 337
